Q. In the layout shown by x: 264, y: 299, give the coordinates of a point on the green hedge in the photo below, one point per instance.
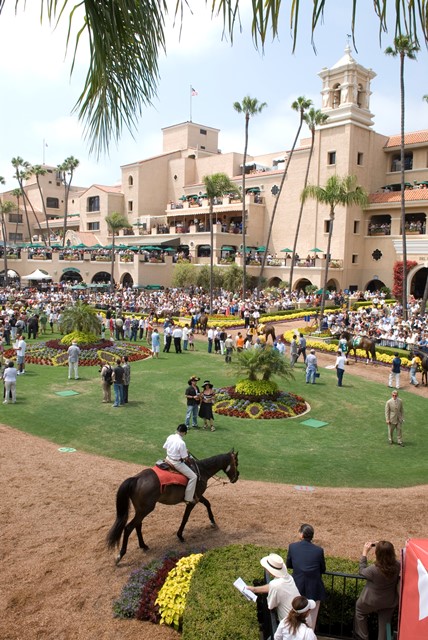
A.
x: 215, y: 610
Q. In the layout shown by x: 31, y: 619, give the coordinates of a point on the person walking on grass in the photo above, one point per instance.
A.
x: 394, y: 375
x: 294, y: 351
x: 193, y: 399
x: 20, y: 347
x: 126, y: 378
x: 206, y: 406
x: 394, y: 417
x: 118, y: 375
x: 155, y: 339
x: 73, y: 352
x: 9, y: 378
x: 340, y: 367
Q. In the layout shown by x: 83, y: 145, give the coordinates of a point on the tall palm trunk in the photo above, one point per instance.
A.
x: 299, y: 219
x: 244, y: 213
x: 113, y: 257
x: 211, y: 254
x: 403, y: 201
x: 424, y: 301
x: 3, y: 230
x: 42, y: 233
x: 275, y: 206
x: 327, y: 263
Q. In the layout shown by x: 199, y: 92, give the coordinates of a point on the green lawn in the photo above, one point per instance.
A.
x: 351, y: 451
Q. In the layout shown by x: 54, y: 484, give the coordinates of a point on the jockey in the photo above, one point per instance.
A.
x: 176, y: 456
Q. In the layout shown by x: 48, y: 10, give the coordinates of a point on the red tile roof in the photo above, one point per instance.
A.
x: 414, y: 137
x: 410, y: 195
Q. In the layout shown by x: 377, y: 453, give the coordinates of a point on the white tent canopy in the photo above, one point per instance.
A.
x: 37, y: 275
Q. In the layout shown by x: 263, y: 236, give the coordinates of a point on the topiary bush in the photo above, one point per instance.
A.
x: 81, y: 338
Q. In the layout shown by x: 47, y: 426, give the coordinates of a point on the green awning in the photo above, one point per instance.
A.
x: 316, y: 250
x: 261, y: 249
x: 253, y: 190
x: 287, y: 250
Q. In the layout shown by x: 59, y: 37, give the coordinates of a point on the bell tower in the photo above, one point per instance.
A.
x: 346, y: 92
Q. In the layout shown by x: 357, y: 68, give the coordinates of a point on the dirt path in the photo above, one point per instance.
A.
x: 57, y: 579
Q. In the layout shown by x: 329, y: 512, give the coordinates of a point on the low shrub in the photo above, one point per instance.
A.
x: 256, y: 387
x: 171, y: 599
x: 80, y: 337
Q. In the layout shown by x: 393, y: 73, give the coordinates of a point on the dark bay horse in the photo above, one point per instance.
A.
x: 360, y: 342
x: 202, y: 323
x: 268, y: 330
x: 144, y: 491
x: 423, y: 356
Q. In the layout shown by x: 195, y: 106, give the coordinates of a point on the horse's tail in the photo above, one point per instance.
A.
x: 122, y: 510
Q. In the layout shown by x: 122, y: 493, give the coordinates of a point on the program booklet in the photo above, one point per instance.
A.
x: 242, y: 587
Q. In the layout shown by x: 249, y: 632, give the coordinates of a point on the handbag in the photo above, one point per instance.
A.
x: 317, y: 375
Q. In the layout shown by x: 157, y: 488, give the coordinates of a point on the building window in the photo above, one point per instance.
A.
x: 336, y: 96
x: 202, y: 146
x: 58, y: 176
x: 356, y: 226
x: 130, y: 206
x: 93, y: 226
x: 15, y: 217
x: 130, y: 181
x: 203, y: 132
x: 327, y: 226
x: 332, y: 157
x: 355, y: 258
x: 52, y: 203
x: 93, y: 204
x: 396, y: 161
x: 360, y: 158
x: 15, y: 237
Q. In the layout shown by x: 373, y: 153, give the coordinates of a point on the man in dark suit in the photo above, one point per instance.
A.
x: 308, y: 564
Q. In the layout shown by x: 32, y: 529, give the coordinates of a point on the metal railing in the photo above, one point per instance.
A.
x: 336, y: 614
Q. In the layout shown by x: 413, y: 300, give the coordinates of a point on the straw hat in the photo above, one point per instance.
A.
x: 275, y: 565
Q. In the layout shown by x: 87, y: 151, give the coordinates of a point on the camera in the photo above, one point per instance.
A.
x: 373, y: 544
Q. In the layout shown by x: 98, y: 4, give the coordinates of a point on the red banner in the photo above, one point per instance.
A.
x: 414, y: 591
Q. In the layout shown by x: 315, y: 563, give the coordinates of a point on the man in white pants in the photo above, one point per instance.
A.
x: 73, y: 360
x: 176, y: 454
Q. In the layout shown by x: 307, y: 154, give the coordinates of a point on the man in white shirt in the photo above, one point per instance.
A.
x: 210, y: 336
x: 20, y: 348
x: 176, y: 454
x: 340, y: 367
x: 73, y: 360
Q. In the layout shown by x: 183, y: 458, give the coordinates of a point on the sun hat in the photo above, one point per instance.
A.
x: 311, y: 605
x: 195, y: 378
x: 207, y: 383
x: 275, y: 565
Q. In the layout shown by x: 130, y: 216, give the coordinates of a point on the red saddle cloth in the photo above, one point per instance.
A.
x: 169, y: 477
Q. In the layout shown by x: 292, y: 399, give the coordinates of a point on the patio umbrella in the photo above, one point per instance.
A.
x: 261, y: 249
x: 169, y: 249
x: 286, y: 250
x: 316, y: 250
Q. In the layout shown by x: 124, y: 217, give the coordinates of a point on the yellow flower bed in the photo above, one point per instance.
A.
x: 172, y: 596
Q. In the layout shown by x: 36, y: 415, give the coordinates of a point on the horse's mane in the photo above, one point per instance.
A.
x: 216, y: 458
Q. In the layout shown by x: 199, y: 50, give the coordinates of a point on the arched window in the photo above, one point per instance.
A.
x: 130, y: 181
x: 360, y: 96
x: 204, y: 251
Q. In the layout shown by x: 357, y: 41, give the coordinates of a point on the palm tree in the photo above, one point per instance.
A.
x: 216, y: 186
x: 122, y: 80
x: 249, y: 107
x: 301, y: 105
x: 22, y: 173
x: 6, y: 206
x: 404, y: 47
x: 66, y: 170
x: 115, y: 222
x: 81, y: 317
x: 313, y: 118
x: 264, y: 362
x: 37, y: 170
x: 338, y: 191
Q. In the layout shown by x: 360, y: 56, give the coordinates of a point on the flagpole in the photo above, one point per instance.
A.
x: 190, y: 98
x: 43, y: 155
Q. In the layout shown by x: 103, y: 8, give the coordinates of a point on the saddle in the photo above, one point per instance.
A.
x: 168, y: 475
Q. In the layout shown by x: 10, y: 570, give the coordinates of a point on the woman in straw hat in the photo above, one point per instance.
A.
x: 294, y: 626
x: 281, y: 590
x: 206, y: 407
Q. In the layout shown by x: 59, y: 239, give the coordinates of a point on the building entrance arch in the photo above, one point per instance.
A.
x: 71, y: 275
x: 127, y: 280
x: 417, y: 282
x: 274, y: 282
x: 102, y: 277
x: 374, y: 285
x: 302, y: 284
x: 333, y: 285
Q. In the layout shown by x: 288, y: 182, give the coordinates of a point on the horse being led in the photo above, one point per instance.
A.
x: 423, y: 356
x: 360, y: 342
x: 144, y: 491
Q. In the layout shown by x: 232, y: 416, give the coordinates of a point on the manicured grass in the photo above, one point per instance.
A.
x: 351, y: 451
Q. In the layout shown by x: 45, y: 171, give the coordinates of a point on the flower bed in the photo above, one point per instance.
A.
x: 278, y: 405
x: 53, y: 353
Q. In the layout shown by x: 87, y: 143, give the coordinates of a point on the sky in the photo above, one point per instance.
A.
x: 38, y: 93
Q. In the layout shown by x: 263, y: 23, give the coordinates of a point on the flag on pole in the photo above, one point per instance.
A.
x: 193, y: 92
